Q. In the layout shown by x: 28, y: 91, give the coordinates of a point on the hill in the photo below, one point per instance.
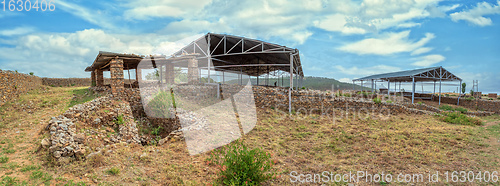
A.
x: 317, y: 83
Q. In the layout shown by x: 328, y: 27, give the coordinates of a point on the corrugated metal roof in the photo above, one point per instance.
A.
x: 227, y: 53
x: 424, y: 74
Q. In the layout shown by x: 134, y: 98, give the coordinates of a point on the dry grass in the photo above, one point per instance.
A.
x: 306, y: 144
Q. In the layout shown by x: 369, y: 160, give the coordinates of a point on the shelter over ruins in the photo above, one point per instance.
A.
x: 211, y: 52
x: 431, y: 74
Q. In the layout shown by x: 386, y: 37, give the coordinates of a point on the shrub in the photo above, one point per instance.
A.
x: 377, y: 100
x: 119, y: 120
x: 156, y: 131
x: 388, y: 101
x: 4, y: 159
x: 469, y: 98
x: 32, y: 73
x: 113, y: 171
x: 7, y: 180
x: 462, y: 110
x: 449, y: 108
x: 420, y: 103
x: 446, y: 107
x: 239, y: 165
x: 161, y: 103
x: 461, y: 119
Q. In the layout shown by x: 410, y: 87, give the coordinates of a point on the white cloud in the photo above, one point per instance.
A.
x: 337, y: 22
x: 388, y: 43
x: 354, y: 17
x: 429, y: 60
x: 440, y: 11
x: 421, y: 50
x: 345, y: 80
x: 146, y: 9
x: 16, y: 31
x: 365, y: 71
x: 67, y: 54
x: 476, y: 14
x: 92, y: 16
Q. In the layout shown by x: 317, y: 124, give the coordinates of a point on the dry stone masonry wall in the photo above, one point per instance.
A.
x: 66, y: 82
x: 103, y: 119
x: 12, y: 84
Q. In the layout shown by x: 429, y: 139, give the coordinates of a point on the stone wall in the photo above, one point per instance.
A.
x: 484, y: 105
x: 66, y: 82
x: 12, y: 84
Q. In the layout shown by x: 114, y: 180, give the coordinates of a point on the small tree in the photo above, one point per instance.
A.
x: 463, y: 88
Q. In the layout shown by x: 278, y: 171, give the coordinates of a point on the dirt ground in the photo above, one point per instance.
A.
x: 304, y: 144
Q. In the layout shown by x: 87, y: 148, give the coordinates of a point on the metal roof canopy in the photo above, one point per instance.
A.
x: 424, y: 74
x: 434, y: 74
x: 223, y: 52
x: 233, y: 53
x: 103, y: 59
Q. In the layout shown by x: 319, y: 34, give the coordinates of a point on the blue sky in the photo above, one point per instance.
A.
x: 342, y: 39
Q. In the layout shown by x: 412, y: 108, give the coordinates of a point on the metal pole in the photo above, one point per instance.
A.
x: 372, y: 87
x: 413, y: 90
x: 291, y: 85
x: 353, y: 87
x: 389, y: 88
x: 395, y: 92
x: 458, y: 100
x: 223, y: 80
x: 440, y: 77
x: 297, y: 82
x: 241, y: 75
x: 209, y: 59
x: 361, y: 85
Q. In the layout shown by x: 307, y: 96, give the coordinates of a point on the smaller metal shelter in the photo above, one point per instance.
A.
x: 431, y: 74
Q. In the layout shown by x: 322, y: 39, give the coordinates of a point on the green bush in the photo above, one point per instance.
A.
x: 461, y: 119
x: 32, y: 73
x: 161, y: 103
x: 4, y: 159
x: 156, y: 131
x: 239, y: 165
x: 377, y: 100
x: 462, y: 110
x: 420, y: 103
x: 119, y: 120
x: 7, y: 180
x: 113, y: 171
x: 450, y: 108
x: 446, y: 107
x: 469, y: 98
x: 388, y: 101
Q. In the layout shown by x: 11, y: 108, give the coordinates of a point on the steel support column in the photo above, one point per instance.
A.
x: 440, y: 77
x: 458, y: 100
x: 413, y: 90
x: 389, y: 88
x: 291, y: 85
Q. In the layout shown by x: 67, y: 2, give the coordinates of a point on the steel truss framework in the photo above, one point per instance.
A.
x: 223, y: 53
x: 432, y: 74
